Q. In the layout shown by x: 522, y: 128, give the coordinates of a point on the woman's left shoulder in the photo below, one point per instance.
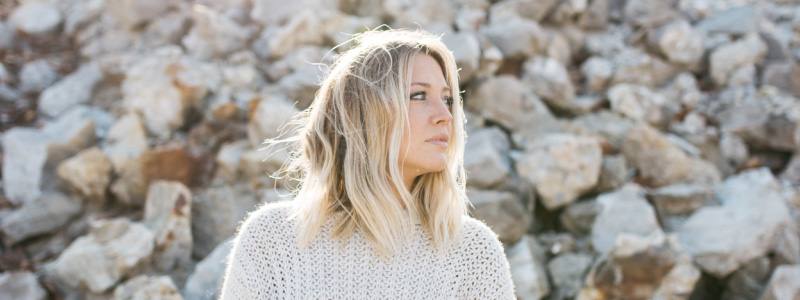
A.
x: 476, y: 230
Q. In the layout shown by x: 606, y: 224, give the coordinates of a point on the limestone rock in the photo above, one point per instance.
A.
x: 228, y: 157
x: 132, y: 14
x: 635, y: 66
x: 96, y: 262
x: 487, y: 165
x: 147, y: 287
x: 578, y: 218
x: 507, y: 101
x: 567, y: 272
x: 676, y: 202
x: 302, y: 28
x: 561, y: 167
x: 613, y: 173
x: 597, y: 71
x: 467, y: 53
x: 502, y: 212
x: 783, y: 284
x: 36, y: 76
x: 679, y: 43
x: 527, y: 273
x: 206, y: 281
x: 126, y: 141
x: 765, y: 119
x: 21, y: 285
x: 735, y: 21
x: 624, y: 211
x: 42, y: 215
x: 549, y: 80
x: 268, y: 117
x: 726, y: 59
x: 74, y: 89
x: 535, y: 10
x: 216, y: 213
x: 167, y: 212
x: 36, y: 18
x: 517, y: 38
x: 637, y: 102
x: 88, y: 174
x: 214, y: 34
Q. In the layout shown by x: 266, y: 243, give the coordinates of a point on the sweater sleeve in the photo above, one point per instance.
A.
x: 489, y: 267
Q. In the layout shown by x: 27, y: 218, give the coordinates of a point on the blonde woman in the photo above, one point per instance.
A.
x: 381, y: 211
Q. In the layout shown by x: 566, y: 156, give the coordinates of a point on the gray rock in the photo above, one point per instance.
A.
x: 527, y: 273
x: 679, y: 43
x: 749, y: 281
x: 96, y: 262
x: 561, y: 167
x: 549, y: 80
x: 613, y: 173
x: 507, y: 101
x: 675, y: 203
x: 466, y: 51
x: 624, y: 211
x: 596, y: 15
x: 216, y: 213
x: 167, y: 212
x: 567, y: 272
x: 125, y: 143
x: 76, y: 88
x: 517, y: 38
x: 502, y: 212
x: 36, y: 18
x: 578, y: 218
x: 535, y: 10
x: 206, y: 281
x: 684, y: 89
x: 783, y: 284
x: 747, y: 225
x: 228, y: 157
x: 635, y: 66
x: 637, y: 102
x: 609, y: 127
x: 215, y: 35
x: 765, y: 119
x: 36, y: 76
x: 278, y: 41
x: 147, y: 287
x: 725, y: 60
x: 487, y: 164
x: 132, y: 14
x: 7, y: 35
x: 650, y: 13
x: 268, y: 117
x: 275, y: 12
x: 87, y: 174
x: 783, y: 75
x: 597, y: 71
x: 740, y: 20
x: 42, y: 215
x: 21, y: 285
x: 81, y: 13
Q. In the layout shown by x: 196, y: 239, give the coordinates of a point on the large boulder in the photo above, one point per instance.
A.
x: 76, y: 88
x: 726, y: 60
x: 549, y: 80
x: 507, y: 101
x: 147, y: 287
x: 502, y: 212
x: 216, y: 213
x: 487, y: 164
x: 167, y: 213
x: 527, y: 271
x: 21, y: 285
x: 43, y: 215
x: 624, y: 211
x: 87, y: 174
x: 206, y: 281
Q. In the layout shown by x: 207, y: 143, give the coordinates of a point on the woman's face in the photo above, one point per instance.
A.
x: 427, y: 137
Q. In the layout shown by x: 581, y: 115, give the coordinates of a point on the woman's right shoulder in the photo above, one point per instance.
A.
x: 268, y: 217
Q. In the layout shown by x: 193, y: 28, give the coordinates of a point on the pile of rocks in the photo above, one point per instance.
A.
x: 621, y: 149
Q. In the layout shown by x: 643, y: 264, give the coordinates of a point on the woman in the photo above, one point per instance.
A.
x: 381, y: 209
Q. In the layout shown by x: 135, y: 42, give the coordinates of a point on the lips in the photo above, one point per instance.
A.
x: 440, y: 140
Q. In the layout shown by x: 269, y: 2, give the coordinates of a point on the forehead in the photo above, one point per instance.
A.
x: 426, y: 69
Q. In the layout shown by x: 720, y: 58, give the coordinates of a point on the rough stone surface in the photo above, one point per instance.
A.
x: 36, y: 18
x: 549, y: 80
x: 679, y: 43
x: 502, y: 212
x: 215, y: 34
x: 517, y: 38
x: 131, y: 14
x: 783, y: 284
x: 579, y: 217
x: 43, y: 215
x: 624, y: 211
x: 87, y: 174
x: 487, y: 165
x: 36, y: 76
x: 21, y: 285
x: 674, y: 203
x: 507, y: 101
x: 268, y: 117
x: 637, y: 102
x: 167, y: 212
x: 216, y: 213
x: 147, y: 287
x: 527, y: 273
x: 567, y: 272
x: 730, y: 57
x: 74, y: 89
x: 206, y: 281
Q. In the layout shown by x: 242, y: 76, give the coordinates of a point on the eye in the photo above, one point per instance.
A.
x: 448, y: 101
x: 418, y: 96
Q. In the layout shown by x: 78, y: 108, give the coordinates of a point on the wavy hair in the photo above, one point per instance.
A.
x: 345, y: 148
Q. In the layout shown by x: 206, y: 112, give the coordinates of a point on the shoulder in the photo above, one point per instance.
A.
x: 269, y: 218
x: 477, y: 232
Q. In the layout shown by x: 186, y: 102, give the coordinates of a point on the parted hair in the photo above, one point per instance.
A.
x: 345, y: 148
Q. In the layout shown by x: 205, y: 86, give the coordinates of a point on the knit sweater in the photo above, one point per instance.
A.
x: 267, y: 263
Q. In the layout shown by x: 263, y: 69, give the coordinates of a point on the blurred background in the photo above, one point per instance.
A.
x: 639, y: 149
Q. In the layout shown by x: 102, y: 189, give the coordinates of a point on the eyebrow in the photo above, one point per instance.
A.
x: 429, y: 86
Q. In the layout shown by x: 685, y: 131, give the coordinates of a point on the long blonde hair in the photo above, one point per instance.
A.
x: 346, y: 148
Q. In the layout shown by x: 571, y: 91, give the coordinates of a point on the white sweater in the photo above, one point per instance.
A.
x: 266, y: 263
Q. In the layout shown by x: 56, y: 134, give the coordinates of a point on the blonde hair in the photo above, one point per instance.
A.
x: 346, y: 148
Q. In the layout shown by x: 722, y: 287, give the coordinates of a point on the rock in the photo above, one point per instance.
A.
x: 561, y: 167
x: 126, y: 141
x: 535, y: 10
x: 507, y: 101
x: 302, y: 29
x: 637, y: 102
x: 96, y: 262
x: 267, y: 118
x: 276, y: 12
x: 578, y: 218
x: 549, y: 80
x: 613, y: 173
x: 87, y: 174
x: 783, y: 75
x: 76, y: 88
x: 517, y: 38
x: 634, y: 66
x: 595, y: 16
x: 7, y: 35
x: 216, y: 213
x: 675, y: 203
x: 300, y: 86
x: 747, y: 199
x: 650, y: 13
x: 488, y: 163
x: 624, y: 211
x: 36, y: 76
x: 527, y: 273
x: 167, y: 212
x: 643, y: 267
x: 748, y: 281
x: 164, y: 87
x: 81, y: 13
x: 765, y: 119
x: 466, y: 51
x: 29, y: 154
x: 684, y: 89
x: 36, y: 18
x: 597, y: 71
x: 132, y: 14
x: 214, y: 34
x: 502, y: 212
x: 206, y: 281
x: 726, y: 59
x: 678, y: 42
x: 783, y: 283
x: 42, y: 215
x: 610, y: 128
x: 739, y: 21
x: 21, y: 285
x: 567, y: 272
x: 147, y: 287
x: 171, y: 162
x: 660, y: 162
x: 228, y: 157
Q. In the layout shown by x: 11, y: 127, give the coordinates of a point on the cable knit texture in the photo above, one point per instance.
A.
x: 267, y: 263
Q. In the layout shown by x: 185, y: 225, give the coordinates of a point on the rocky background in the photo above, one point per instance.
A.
x: 639, y: 149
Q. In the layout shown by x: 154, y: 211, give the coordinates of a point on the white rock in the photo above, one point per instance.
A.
x: 167, y: 212
x: 561, y: 167
x: 214, y: 34
x: 206, y: 281
x: 598, y: 71
x: 466, y: 51
x: 42, y: 215
x: 87, y: 174
x: 36, y: 18
x: 228, y: 158
x: 517, y: 38
x: 527, y: 273
x: 729, y: 57
x: 147, y: 287
x: 624, y: 211
x: 783, y: 285
x: 487, y: 163
x: 637, y: 67
x: 735, y: 21
x: 566, y: 271
x: 36, y: 76
x: 502, y: 212
x: 679, y: 43
x: 278, y: 41
x: 549, y: 80
x: 21, y: 285
x: 7, y: 35
x: 216, y: 213
x: 111, y: 250
x: 637, y: 102
x: 74, y: 89
x: 131, y: 14
x: 269, y: 115
x: 276, y: 12
x: 531, y: 9
x: 507, y: 101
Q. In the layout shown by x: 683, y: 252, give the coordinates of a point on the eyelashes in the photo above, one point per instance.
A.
x: 420, y: 96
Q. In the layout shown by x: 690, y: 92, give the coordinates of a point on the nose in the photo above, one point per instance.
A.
x: 442, y: 114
